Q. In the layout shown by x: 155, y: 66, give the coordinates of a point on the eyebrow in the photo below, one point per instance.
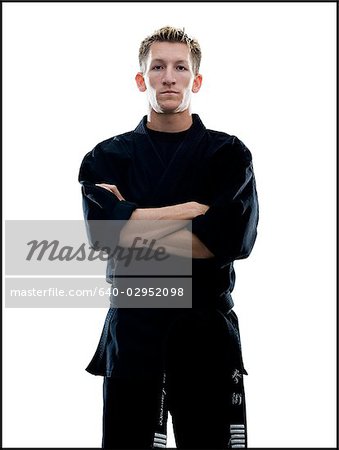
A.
x: 180, y: 61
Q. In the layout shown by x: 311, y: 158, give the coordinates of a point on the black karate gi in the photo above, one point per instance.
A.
x: 185, y: 361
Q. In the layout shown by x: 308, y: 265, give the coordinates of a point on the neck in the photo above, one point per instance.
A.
x: 170, y: 123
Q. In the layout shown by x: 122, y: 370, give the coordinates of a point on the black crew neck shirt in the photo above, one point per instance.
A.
x: 166, y: 143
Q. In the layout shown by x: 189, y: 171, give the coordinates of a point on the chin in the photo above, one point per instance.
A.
x: 168, y: 103
x: 169, y: 108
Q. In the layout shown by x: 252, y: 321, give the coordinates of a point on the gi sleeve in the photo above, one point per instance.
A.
x: 229, y: 227
x: 98, y: 203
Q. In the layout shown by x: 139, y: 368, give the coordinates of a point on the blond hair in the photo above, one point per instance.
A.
x: 170, y: 34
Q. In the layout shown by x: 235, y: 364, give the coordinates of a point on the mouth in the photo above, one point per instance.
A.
x: 169, y: 92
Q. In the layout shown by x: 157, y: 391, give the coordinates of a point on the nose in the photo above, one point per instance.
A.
x: 169, y: 77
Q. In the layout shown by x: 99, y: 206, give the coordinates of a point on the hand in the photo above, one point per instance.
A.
x: 197, y: 209
x: 112, y: 188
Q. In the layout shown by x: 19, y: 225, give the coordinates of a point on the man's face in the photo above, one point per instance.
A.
x: 169, y: 79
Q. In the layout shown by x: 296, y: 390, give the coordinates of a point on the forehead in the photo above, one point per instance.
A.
x: 169, y: 51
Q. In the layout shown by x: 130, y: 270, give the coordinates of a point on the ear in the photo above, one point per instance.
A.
x: 139, y: 78
x: 197, y: 83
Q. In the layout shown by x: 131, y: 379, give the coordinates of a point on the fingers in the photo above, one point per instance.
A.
x: 201, y: 208
x: 112, y: 188
x: 204, y: 208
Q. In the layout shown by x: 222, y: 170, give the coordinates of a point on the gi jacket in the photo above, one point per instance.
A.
x: 209, y: 167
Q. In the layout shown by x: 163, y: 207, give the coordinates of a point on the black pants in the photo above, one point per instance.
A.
x: 202, y: 388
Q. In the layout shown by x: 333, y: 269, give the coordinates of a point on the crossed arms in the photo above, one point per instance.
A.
x: 166, y: 225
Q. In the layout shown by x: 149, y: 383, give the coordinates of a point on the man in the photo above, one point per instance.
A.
x: 186, y: 361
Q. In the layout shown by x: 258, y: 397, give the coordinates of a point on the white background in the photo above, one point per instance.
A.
x: 269, y: 78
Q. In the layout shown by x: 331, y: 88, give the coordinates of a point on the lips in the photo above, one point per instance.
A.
x: 169, y: 92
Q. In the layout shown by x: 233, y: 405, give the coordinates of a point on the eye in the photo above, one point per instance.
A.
x: 181, y: 68
x: 157, y: 67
